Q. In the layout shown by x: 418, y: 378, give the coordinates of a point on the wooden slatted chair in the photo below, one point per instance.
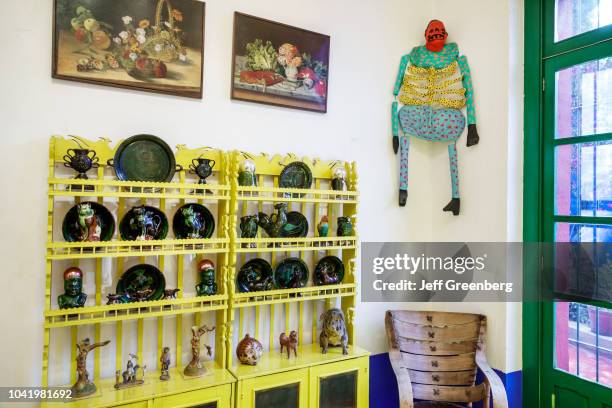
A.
x: 435, y: 356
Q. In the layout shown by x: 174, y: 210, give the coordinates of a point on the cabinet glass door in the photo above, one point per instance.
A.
x: 283, y: 390
x: 340, y: 385
x: 280, y: 397
x: 338, y: 391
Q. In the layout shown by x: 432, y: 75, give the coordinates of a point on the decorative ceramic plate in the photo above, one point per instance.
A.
x: 295, y: 175
x: 254, y: 276
x: 141, y: 282
x: 143, y: 223
x: 296, y: 226
x: 144, y: 158
x: 329, y: 271
x: 88, y: 222
x: 193, y: 221
x: 291, y: 273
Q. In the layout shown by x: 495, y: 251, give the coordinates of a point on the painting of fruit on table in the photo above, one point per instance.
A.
x: 150, y: 45
x: 277, y: 64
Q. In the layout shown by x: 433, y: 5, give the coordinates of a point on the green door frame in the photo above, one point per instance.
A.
x: 538, y: 217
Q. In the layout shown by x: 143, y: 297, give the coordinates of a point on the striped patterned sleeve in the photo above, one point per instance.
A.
x: 469, y: 89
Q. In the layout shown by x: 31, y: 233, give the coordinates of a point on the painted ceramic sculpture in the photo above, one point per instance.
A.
x: 283, y: 224
x: 133, y: 374
x: 248, y: 226
x: 289, y: 343
x: 323, y: 226
x: 345, y: 227
x: 203, y: 168
x: 81, y: 160
x: 333, y: 333
x: 145, y: 224
x: 164, y: 361
x: 73, y: 295
x: 433, y: 85
x: 249, y: 350
x: 88, y: 223
x: 246, y: 174
x: 339, y: 178
x: 83, y: 385
x: 207, y: 285
x: 196, y: 367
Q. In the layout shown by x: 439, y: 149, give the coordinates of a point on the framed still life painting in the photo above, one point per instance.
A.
x: 281, y: 65
x: 149, y: 45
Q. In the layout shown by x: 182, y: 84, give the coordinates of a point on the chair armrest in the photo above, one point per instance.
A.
x: 404, y: 386
x: 500, y: 400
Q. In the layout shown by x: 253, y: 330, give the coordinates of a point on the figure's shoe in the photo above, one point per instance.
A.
x: 453, y: 206
x: 403, y: 196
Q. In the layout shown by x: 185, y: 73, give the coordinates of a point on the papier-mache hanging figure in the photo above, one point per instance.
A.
x: 433, y: 85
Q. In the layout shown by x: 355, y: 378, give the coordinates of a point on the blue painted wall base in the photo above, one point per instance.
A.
x: 383, y: 386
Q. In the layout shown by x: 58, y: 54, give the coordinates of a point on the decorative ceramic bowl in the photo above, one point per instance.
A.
x: 329, y: 271
x: 291, y: 273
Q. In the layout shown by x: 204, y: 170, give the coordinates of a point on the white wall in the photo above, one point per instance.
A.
x: 368, y: 38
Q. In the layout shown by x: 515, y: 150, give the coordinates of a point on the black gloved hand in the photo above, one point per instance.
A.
x: 472, y: 136
x: 395, y: 144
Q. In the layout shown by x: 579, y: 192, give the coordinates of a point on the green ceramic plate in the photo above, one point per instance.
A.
x: 193, y: 221
x: 291, y: 273
x: 295, y: 175
x: 142, y: 282
x: 143, y: 223
x: 144, y: 158
x: 103, y: 229
x: 329, y: 271
x: 254, y: 276
x: 296, y: 226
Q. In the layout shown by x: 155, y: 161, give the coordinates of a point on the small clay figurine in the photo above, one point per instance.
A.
x: 323, y: 227
x: 283, y: 224
x: 334, y: 332
x: 133, y: 374
x: 90, y: 229
x: 83, y: 385
x: 170, y: 293
x: 192, y: 221
x: 249, y: 350
x: 207, y: 285
x: 248, y: 226
x: 195, y: 367
x: 165, y: 364
x: 145, y: 224
x: 246, y: 175
x: 289, y: 343
x: 115, y: 299
x: 73, y: 286
x: 339, y: 178
x: 345, y: 227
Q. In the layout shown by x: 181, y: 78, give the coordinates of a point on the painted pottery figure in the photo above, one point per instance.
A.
x: 203, y: 168
x: 83, y: 385
x: 195, y: 367
x: 433, y: 85
x: 114, y: 299
x: 133, y: 374
x: 207, y: 285
x: 323, y: 227
x: 253, y: 279
x: 81, y: 160
x: 339, y: 178
x: 283, y: 224
x: 145, y: 224
x: 249, y: 350
x: 334, y: 332
x: 345, y: 227
x: 170, y: 293
x: 289, y: 343
x: 246, y: 174
x: 164, y: 361
x: 248, y: 226
x: 73, y: 287
x: 192, y: 222
x: 90, y: 231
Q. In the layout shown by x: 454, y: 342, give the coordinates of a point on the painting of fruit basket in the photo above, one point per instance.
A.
x: 150, y: 45
x: 277, y: 64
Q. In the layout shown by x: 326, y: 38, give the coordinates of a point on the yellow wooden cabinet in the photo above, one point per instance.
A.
x: 341, y: 384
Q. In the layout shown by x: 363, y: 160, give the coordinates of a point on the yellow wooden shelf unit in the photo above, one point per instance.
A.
x: 299, y: 381
x: 140, y: 328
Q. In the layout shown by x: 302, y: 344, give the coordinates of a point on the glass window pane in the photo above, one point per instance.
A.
x: 583, y: 99
x: 572, y: 232
x: 604, y: 346
x: 566, y: 323
x: 573, y: 17
x: 279, y: 397
x: 339, y: 391
x: 583, y: 179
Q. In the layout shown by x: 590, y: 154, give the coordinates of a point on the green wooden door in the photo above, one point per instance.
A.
x: 572, y: 161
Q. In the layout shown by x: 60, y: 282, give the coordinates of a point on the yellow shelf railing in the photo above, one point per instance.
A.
x: 295, y: 195
x: 294, y: 244
x: 277, y: 296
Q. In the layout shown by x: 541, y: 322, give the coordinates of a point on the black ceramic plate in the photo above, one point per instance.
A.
x: 291, y: 273
x: 143, y: 223
x: 296, y: 226
x: 144, y: 158
x: 141, y: 282
x: 104, y: 229
x: 329, y: 271
x: 295, y: 175
x: 193, y: 221
x: 254, y: 276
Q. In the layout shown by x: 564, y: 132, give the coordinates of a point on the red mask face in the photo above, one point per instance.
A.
x: 435, y: 36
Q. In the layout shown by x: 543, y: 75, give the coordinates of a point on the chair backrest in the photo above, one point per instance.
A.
x: 438, y: 350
